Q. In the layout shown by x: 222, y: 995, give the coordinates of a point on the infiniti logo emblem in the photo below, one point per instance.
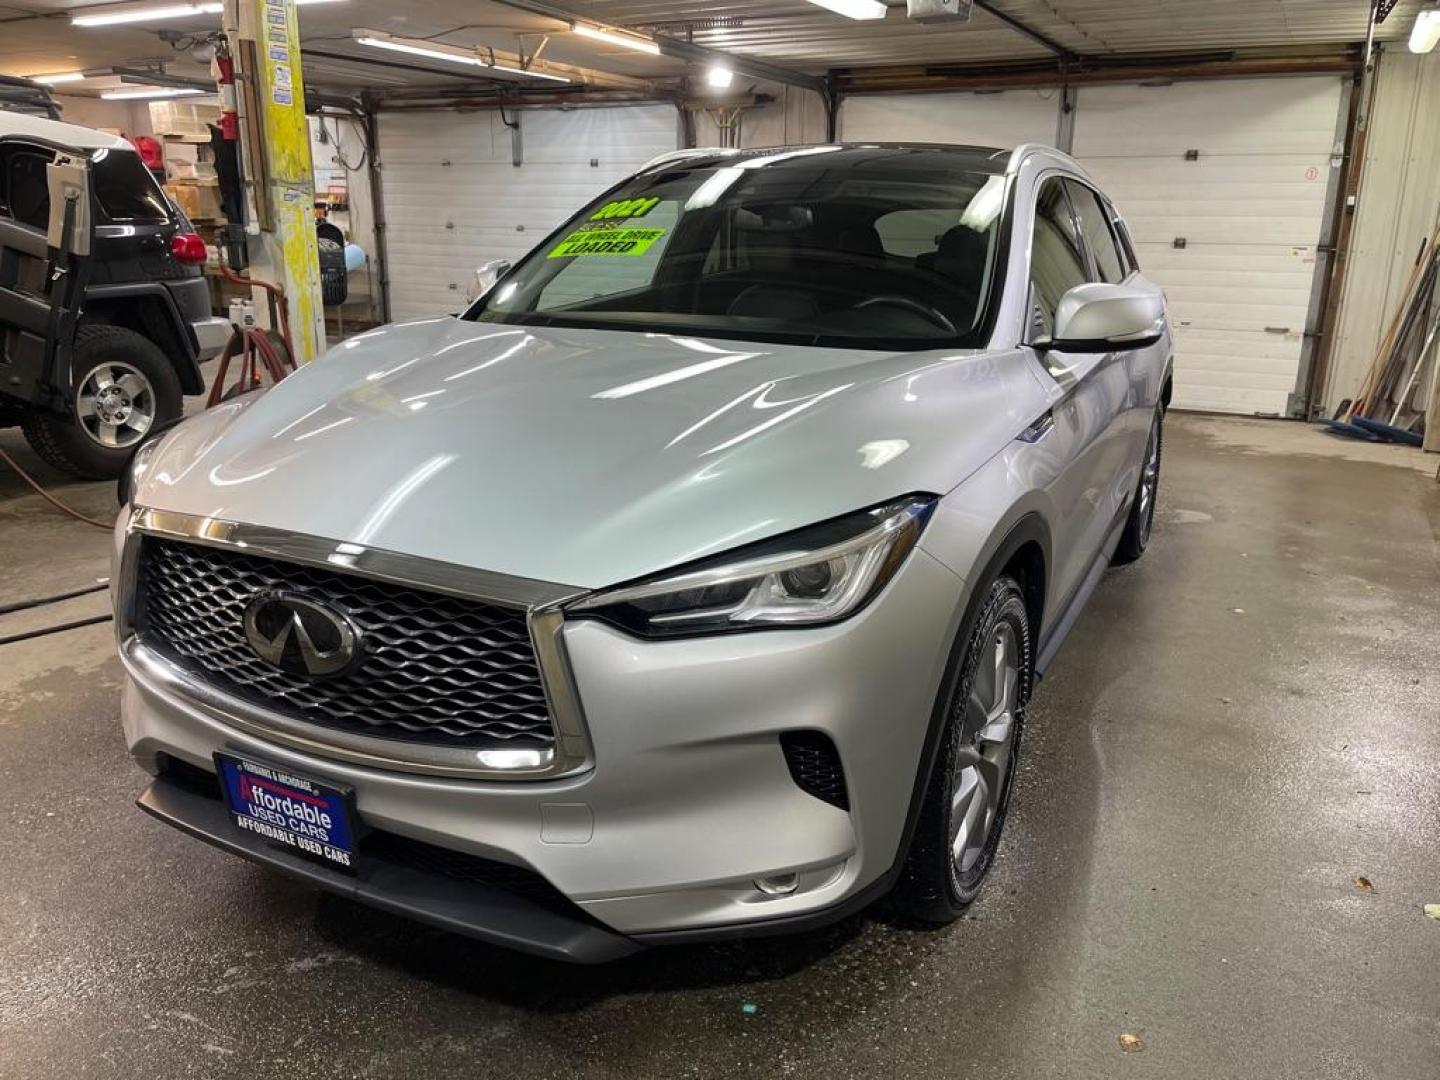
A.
x: 300, y: 636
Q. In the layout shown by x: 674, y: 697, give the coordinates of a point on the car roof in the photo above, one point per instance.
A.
x: 58, y: 133
x: 917, y: 155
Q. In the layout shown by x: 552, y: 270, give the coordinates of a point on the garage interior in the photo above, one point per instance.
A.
x: 1222, y: 849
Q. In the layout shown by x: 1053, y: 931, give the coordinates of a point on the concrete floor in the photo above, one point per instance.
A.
x: 1243, y: 723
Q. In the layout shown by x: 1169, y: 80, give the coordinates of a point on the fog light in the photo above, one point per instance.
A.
x: 778, y: 884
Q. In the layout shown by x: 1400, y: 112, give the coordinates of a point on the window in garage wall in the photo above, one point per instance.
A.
x: 1249, y: 209
x: 454, y: 199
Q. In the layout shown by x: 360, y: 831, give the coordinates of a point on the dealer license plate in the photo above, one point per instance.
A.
x: 275, y: 804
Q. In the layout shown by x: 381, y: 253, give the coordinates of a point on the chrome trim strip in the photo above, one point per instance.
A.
x: 392, y: 566
x: 540, y: 600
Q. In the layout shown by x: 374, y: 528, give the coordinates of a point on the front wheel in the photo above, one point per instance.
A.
x: 125, y: 387
x: 969, y: 791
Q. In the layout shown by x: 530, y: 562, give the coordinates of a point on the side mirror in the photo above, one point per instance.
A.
x: 68, y: 181
x: 485, y: 277
x: 1102, y: 318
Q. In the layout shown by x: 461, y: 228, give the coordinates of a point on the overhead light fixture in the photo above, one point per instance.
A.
x: 58, y: 77
x: 150, y: 92
x: 528, y: 73
x: 614, y: 37
x: 854, y: 9
x: 142, y: 14
x: 1426, y: 34
x: 720, y: 77
x: 436, y: 50
x: 431, y: 52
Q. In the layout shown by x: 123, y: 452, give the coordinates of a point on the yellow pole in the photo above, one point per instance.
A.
x: 280, y: 178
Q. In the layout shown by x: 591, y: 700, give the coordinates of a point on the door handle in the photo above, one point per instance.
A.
x: 1041, y: 427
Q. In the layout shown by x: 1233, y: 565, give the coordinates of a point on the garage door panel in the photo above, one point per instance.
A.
x: 628, y: 136
x: 1224, y: 350
x: 1249, y: 207
x: 1248, y: 177
x: 1001, y: 120
x: 493, y: 208
x: 1250, y: 116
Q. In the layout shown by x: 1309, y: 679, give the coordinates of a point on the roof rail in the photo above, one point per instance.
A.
x: 1032, y: 149
x: 27, y: 96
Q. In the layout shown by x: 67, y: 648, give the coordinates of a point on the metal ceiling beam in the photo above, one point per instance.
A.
x: 1027, y: 30
x: 688, y: 51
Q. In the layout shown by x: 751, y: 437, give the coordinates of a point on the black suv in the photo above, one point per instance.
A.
x: 144, y: 314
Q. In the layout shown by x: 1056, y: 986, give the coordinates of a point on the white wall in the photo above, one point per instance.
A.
x: 129, y: 118
x: 1398, y: 205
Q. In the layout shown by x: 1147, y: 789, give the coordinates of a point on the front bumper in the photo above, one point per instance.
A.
x: 211, y: 336
x: 689, y: 799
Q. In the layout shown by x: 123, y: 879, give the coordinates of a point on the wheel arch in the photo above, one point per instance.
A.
x: 150, y: 311
x: 1022, y: 548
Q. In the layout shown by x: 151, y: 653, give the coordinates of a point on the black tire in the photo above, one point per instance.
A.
x: 933, y: 887
x: 1136, y: 537
x: 67, y: 443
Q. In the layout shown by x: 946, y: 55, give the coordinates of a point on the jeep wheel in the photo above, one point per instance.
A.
x: 125, y: 387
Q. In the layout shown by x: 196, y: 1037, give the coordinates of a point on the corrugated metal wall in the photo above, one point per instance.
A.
x: 1398, y: 206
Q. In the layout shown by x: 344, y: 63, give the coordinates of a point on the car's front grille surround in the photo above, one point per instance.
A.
x: 437, y: 669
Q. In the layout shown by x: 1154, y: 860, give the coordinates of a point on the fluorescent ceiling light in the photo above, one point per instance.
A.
x: 625, y: 41
x: 527, y: 74
x: 151, y: 92
x: 142, y: 14
x: 58, y: 77
x: 1426, y: 34
x: 854, y: 9
x: 720, y: 77
x: 435, y: 50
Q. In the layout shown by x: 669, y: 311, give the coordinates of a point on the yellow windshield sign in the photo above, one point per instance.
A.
x: 602, y: 240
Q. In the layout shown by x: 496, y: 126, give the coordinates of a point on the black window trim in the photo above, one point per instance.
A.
x: 1108, y: 212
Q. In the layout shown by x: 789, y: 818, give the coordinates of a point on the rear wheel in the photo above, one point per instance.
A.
x: 125, y: 387
x: 1136, y: 536
x: 969, y: 793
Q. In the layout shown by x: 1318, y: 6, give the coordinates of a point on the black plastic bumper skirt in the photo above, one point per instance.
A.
x: 489, y: 914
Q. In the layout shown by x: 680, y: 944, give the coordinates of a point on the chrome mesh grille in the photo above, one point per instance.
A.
x: 436, y: 668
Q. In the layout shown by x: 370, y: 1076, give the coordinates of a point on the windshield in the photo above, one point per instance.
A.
x: 888, y: 252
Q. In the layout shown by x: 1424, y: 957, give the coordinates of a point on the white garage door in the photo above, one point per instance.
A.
x: 1248, y: 210
x: 454, y: 199
x: 1005, y: 119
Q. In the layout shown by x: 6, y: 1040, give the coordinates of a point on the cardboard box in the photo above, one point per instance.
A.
x: 199, y: 202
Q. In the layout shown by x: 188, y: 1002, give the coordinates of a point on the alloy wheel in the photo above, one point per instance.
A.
x: 1149, y: 482
x: 982, y: 761
x: 115, y: 405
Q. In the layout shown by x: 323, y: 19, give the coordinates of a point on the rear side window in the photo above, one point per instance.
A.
x: 1094, y: 224
x: 125, y: 189
x: 26, y: 193
x: 1057, y: 261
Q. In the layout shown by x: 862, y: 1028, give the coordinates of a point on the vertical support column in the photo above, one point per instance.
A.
x: 1065, y: 122
x: 276, y: 141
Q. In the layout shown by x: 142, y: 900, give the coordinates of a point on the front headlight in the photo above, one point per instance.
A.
x: 819, y: 574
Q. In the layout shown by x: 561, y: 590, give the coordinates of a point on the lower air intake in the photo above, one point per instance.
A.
x: 815, y: 766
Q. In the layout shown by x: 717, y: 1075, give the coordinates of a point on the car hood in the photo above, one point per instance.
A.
x: 586, y: 457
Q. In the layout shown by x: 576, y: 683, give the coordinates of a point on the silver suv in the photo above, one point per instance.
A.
x: 693, y: 582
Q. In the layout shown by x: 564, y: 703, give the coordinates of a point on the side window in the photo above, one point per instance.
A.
x: 24, y: 191
x: 1057, y: 262
x: 1127, y: 243
x: 1094, y: 222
